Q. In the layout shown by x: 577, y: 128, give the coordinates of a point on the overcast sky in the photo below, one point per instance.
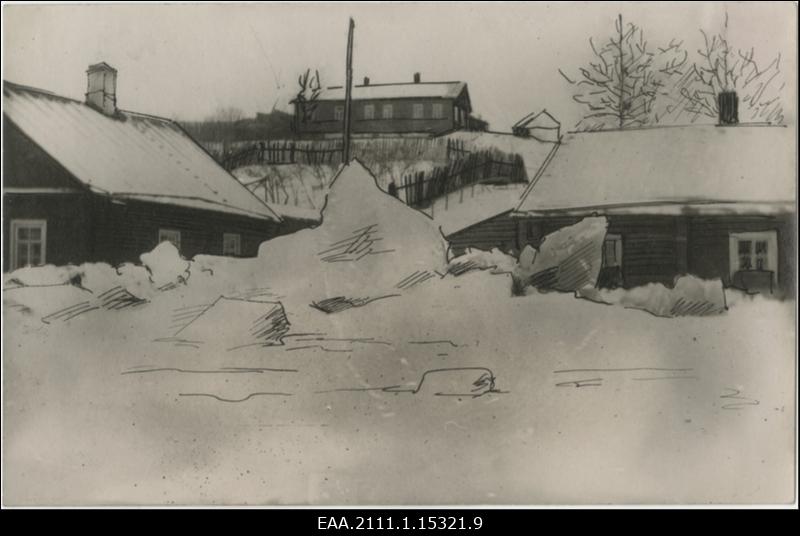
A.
x: 187, y: 60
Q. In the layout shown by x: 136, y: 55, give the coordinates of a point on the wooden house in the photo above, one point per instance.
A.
x: 413, y: 108
x: 87, y: 181
x: 715, y: 201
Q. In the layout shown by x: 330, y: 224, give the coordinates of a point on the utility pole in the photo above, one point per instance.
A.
x: 347, y: 94
x: 621, y: 76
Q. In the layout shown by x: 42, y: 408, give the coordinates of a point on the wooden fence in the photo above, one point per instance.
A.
x: 321, y: 152
x: 420, y: 188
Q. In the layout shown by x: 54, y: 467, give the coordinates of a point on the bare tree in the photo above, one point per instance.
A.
x: 306, y: 98
x: 619, y: 88
x: 227, y: 114
x: 723, y: 68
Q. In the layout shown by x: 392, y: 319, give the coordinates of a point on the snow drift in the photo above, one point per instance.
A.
x: 368, y: 246
x: 476, y: 259
x: 245, y: 323
x: 567, y: 259
x: 690, y: 296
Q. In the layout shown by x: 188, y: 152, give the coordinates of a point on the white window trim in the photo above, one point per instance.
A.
x: 438, y: 110
x: 421, y: 108
x: 771, y: 237
x: 387, y: 108
x: 238, y: 242
x: 338, y: 113
x: 16, y: 224
x: 371, y: 108
x: 164, y: 230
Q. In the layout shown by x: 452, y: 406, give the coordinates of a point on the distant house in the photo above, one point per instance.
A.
x: 713, y: 201
x: 541, y: 126
x: 421, y: 108
x: 87, y: 181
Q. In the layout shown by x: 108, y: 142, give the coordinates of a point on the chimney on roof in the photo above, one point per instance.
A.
x: 728, y: 103
x: 366, y: 80
x: 416, y: 78
x: 101, y: 92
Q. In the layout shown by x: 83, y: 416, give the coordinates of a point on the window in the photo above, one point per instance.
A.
x: 28, y: 241
x: 754, y: 251
x: 387, y: 111
x: 612, y: 251
x: 419, y: 111
x: 369, y: 111
x: 438, y: 110
x: 170, y: 235
x: 231, y: 244
x: 338, y: 113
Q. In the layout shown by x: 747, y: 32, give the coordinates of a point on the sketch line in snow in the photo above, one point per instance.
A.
x: 234, y: 400
x: 224, y: 370
x: 470, y: 382
x: 342, y: 303
x: 736, y: 394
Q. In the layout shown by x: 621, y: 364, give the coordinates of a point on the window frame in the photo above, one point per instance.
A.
x: 414, y: 110
x: 338, y: 113
x: 238, y: 243
x: 387, y: 108
x: 166, y: 230
x: 771, y: 257
x: 369, y: 111
x: 437, y: 110
x: 15, y: 225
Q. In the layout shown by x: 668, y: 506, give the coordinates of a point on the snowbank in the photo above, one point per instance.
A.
x: 690, y: 296
x: 367, y: 245
x: 476, y: 259
x: 567, y: 259
x: 160, y: 269
x: 236, y: 323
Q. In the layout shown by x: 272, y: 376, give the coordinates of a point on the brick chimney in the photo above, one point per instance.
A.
x: 417, y: 78
x: 101, y: 92
x: 728, y: 103
x: 366, y: 80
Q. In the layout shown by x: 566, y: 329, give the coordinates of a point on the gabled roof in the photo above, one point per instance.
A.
x: 669, y: 170
x: 541, y: 119
x: 449, y: 90
x: 130, y: 155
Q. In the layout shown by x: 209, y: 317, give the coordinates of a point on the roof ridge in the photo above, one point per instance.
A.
x: 401, y: 84
x: 32, y: 89
x: 48, y: 93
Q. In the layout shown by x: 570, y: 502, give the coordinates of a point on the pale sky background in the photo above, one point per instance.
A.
x: 184, y: 61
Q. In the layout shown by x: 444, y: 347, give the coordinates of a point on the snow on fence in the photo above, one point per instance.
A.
x: 329, y: 152
x: 419, y: 189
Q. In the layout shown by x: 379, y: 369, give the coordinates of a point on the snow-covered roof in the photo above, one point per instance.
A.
x: 474, y: 205
x: 130, y: 155
x: 669, y: 170
x: 397, y: 91
x: 541, y: 119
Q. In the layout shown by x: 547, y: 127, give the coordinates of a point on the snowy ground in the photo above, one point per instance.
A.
x: 579, y: 402
x: 80, y: 428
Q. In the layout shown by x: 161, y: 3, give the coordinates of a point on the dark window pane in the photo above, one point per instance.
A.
x: 761, y: 247
x: 761, y: 263
x: 35, y: 255
x: 745, y: 247
x: 22, y: 233
x: 744, y: 262
x: 22, y: 255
